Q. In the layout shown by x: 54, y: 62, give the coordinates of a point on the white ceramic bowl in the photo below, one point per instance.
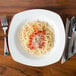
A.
x: 20, y: 55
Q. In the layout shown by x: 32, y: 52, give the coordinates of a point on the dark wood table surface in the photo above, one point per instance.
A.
x: 8, y: 67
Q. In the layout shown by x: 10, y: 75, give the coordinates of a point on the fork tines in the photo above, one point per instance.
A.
x: 4, y: 21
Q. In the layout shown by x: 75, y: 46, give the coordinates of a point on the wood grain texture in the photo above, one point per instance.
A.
x: 8, y: 67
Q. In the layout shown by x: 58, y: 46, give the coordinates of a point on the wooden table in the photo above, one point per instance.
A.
x: 8, y: 67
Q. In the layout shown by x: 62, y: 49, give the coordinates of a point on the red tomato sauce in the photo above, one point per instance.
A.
x: 36, y: 39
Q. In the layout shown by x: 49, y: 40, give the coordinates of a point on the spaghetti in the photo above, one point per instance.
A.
x: 37, y: 37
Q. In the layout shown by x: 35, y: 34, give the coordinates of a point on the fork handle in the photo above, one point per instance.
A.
x: 74, y: 51
x: 6, y: 52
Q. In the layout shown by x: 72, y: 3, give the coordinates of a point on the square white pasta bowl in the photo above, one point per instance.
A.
x: 20, y: 55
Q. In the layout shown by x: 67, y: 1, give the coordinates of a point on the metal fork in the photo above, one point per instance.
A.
x: 74, y: 41
x: 4, y: 25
